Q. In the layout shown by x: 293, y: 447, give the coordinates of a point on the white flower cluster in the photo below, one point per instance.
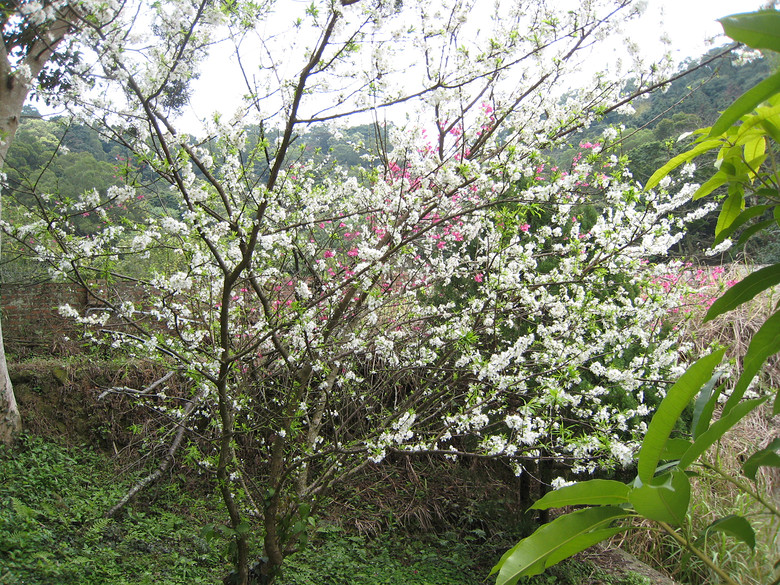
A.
x: 461, y: 295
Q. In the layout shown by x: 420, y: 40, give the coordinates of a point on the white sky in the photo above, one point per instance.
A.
x: 691, y: 25
x: 690, y: 22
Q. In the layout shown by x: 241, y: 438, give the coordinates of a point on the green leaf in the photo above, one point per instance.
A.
x: 743, y: 218
x: 705, y: 406
x: 746, y: 103
x: 713, y: 183
x: 745, y: 290
x: 596, y: 492
x: 674, y: 449
x: 557, y: 540
x: 669, y: 411
x: 665, y: 499
x: 759, y: 30
x: 735, y: 526
x: 755, y: 149
x: 730, y: 210
x: 767, y: 457
x: 717, y: 430
x: 771, y: 129
x: 753, y: 230
x: 681, y: 159
x: 765, y: 342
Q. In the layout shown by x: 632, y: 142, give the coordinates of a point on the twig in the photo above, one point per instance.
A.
x: 126, y: 390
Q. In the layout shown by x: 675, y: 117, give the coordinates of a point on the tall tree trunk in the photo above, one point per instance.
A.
x: 13, y: 93
x: 12, y: 96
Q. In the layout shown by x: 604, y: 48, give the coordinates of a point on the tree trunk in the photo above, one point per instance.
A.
x: 12, y: 96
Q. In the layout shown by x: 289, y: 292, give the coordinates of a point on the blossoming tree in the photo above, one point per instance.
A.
x: 462, y: 298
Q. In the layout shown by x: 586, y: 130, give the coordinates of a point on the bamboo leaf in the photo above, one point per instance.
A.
x: 669, y: 411
x: 596, y: 492
x: 557, y: 540
x: 769, y: 456
x: 745, y: 290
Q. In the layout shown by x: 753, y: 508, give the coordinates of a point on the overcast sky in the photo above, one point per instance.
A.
x: 691, y: 25
x: 690, y: 22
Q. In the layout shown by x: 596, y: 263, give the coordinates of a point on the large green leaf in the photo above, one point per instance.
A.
x: 665, y: 499
x: 745, y: 104
x: 731, y: 208
x: 771, y: 129
x: 745, y: 290
x: 743, y: 218
x: 710, y: 185
x: 557, y: 540
x: 705, y: 405
x: 759, y: 30
x: 717, y: 430
x: 735, y: 526
x: 769, y: 456
x: 675, y: 448
x: 754, y: 229
x: 669, y: 411
x: 596, y: 492
x: 765, y: 342
x: 682, y: 158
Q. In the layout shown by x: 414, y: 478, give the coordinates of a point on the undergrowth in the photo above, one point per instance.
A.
x: 52, y: 531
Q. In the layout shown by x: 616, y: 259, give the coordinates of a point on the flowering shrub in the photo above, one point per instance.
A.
x: 459, y: 299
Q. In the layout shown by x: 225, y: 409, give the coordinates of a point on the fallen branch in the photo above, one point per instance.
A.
x: 166, y: 462
x: 133, y: 391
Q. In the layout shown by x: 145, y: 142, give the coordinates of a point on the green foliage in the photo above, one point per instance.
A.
x: 339, y: 558
x: 563, y: 537
x: 661, y: 492
x: 394, y: 558
x: 52, y: 531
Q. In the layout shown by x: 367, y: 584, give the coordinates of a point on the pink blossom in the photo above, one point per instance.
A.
x: 525, y: 227
x: 478, y: 277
